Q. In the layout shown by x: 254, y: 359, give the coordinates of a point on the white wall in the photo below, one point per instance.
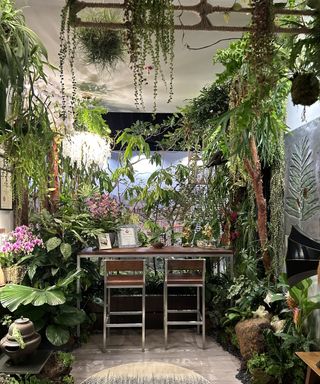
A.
x: 296, y: 117
x: 6, y: 220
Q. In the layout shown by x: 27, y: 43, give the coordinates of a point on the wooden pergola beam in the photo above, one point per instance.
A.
x: 199, y: 7
x: 202, y: 9
x: 195, y: 27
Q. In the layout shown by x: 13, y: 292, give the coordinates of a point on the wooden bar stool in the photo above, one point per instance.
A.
x: 134, y: 277
x: 185, y: 273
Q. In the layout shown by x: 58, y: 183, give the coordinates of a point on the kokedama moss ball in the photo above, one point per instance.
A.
x: 305, y: 88
x: 314, y: 4
x: 101, y: 47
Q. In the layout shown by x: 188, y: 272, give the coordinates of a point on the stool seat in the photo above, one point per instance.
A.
x: 184, y: 279
x: 124, y: 280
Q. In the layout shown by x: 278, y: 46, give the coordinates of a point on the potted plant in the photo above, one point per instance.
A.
x: 106, y: 213
x: 21, y: 243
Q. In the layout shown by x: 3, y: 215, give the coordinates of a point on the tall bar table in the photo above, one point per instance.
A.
x: 149, y: 253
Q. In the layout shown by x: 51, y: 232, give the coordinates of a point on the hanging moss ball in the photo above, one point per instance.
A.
x: 100, y: 46
x: 314, y: 4
x: 305, y: 89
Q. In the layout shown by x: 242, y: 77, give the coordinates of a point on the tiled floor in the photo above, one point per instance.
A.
x: 215, y: 364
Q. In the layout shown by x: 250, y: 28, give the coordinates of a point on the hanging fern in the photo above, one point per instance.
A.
x: 102, y: 47
x: 303, y: 201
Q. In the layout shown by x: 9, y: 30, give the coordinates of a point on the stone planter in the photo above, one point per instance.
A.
x: 31, y: 340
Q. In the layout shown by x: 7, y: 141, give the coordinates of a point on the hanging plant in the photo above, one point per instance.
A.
x: 305, y: 59
x: 102, y: 47
x: 67, y: 53
x: 25, y: 127
x: 305, y: 88
x: 150, y: 35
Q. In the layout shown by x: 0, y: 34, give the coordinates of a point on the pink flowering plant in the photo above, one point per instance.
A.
x: 21, y: 242
x: 104, y: 210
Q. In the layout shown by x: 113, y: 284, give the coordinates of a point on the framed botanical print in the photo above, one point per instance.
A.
x: 128, y: 236
x: 6, y: 195
x: 104, y: 241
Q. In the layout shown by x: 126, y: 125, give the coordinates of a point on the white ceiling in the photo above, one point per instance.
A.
x: 192, y: 69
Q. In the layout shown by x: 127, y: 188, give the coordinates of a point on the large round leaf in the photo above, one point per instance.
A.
x: 57, y: 335
x: 70, y: 316
x: 14, y: 295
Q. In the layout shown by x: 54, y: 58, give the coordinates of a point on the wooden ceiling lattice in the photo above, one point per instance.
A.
x: 203, y: 9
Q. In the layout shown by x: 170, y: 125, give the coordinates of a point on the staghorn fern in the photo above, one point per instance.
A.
x: 303, y: 201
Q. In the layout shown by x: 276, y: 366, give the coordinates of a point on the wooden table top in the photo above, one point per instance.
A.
x: 311, y: 359
x: 150, y: 251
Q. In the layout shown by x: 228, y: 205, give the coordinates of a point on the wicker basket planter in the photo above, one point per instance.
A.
x: 14, y: 274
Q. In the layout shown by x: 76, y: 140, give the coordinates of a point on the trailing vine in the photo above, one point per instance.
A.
x: 67, y: 52
x: 150, y: 34
x: 276, y: 206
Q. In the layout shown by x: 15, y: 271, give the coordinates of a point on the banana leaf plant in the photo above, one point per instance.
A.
x: 47, y: 308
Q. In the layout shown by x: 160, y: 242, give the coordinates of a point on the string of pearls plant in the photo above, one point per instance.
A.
x: 150, y: 35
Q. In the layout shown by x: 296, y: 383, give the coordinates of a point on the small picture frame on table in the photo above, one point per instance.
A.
x: 128, y: 236
x: 104, y: 241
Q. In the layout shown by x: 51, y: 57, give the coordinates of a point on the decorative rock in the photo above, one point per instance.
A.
x: 250, y: 336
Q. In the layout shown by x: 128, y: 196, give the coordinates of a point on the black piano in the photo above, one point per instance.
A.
x: 303, y: 255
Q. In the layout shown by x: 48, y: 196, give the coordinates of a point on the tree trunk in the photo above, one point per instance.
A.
x: 53, y: 160
x: 253, y: 167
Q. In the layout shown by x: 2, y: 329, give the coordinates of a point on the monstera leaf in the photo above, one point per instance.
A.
x: 302, y: 201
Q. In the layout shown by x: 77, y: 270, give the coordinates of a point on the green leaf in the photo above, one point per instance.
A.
x: 70, y: 316
x: 14, y: 295
x: 53, y: 243
x: 237, y: 7
x: 66, y: 250
x: 62, y: 283
x: 31, y: 271
x: 57, y: 335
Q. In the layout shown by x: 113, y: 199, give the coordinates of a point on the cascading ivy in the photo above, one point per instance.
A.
x: 150, y: 36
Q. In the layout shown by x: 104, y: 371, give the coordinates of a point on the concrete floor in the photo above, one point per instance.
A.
x: 184, y: 349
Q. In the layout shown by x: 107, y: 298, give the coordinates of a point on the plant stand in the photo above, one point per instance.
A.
x: 33, y: 364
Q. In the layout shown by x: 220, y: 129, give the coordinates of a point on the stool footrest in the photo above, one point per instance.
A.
x: 184, y: 322
x: 169, y: 285
x: 183, y: 311
x: 124, y: 325
x: 125, y: 313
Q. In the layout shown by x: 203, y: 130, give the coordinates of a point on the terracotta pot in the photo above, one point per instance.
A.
x: 31, y: 339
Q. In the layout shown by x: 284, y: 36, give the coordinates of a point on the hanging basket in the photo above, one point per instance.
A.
x: 14, y: 274
x: 305, y: 89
